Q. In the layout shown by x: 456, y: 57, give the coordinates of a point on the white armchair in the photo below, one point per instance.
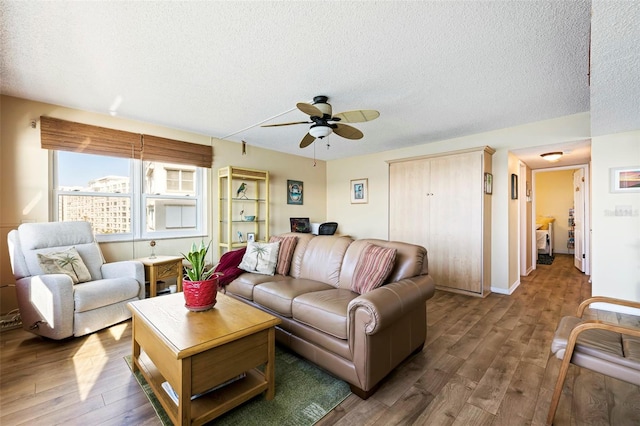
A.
x: 56, y: 305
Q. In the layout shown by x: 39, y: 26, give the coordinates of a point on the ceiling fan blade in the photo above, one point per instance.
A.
x: 309, y: 109
x: 346, y: 131
x: 307, y: 140
x: 286, y: 124
x: 357, y: 116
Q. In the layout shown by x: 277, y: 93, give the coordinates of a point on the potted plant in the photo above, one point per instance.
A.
x: 200, y: 285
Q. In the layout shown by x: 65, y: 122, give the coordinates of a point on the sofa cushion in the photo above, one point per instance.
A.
x: 285, y: 253
x: 373, y: 268
x: 278, y: 296
x: 96, y: 294
x: 323, y: 258
x: 324, y: 310
x: 260, y: 258
x: 66, y: 262
x: 243, y: 285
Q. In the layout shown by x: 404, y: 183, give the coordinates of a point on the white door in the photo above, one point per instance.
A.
x: 578, y: 204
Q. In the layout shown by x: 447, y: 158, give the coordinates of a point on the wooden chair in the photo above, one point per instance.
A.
x: 606, y: 348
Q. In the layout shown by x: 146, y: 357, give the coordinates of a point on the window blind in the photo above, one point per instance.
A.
x: 65, y: 135
x: 155, y: 148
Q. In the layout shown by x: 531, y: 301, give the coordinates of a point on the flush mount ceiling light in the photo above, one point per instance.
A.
x: 552, y: 156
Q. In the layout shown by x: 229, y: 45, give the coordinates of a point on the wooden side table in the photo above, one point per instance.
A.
x: 161, y: 267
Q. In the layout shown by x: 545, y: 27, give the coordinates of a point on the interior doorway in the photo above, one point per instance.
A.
x: 574, y: 226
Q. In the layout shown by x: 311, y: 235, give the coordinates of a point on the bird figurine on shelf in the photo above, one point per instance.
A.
x: 242, y: 191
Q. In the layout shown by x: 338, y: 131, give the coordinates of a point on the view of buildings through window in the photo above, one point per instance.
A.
x: 103, y: 191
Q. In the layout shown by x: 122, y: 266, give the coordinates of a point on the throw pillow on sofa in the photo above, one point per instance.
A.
x: 66, y: 262
x: 285, y: 254
x: 260, y: 258
x: 373, y: 267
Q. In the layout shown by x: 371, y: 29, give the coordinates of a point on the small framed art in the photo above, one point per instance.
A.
x: 625, y: 179
x: 514, y: 186
x: 359, y: 191
x: 251, y: 237
x: 488, y: 183
x: 294, y: 192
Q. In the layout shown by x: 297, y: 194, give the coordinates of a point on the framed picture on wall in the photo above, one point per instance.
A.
x: 359, y: 191
x: 488, y: 183
x: 625, y: 179
x: 294, y: 192
x: 514, y: 186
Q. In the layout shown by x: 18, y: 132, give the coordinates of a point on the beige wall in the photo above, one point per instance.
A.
x: 24, y: 175
x: 615, y: 239
x: 554, y: 197
x: 504, y: 258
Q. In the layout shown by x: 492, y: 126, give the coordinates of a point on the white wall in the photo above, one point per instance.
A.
x: 372, y: 219
x: 615, y: 239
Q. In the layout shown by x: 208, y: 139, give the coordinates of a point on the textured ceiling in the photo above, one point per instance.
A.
x: 434, y: 70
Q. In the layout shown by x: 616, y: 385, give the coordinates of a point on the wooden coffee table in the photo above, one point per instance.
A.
x: 195, y: 351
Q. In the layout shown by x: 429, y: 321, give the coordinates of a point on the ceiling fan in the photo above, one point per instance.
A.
x: 323, y: 123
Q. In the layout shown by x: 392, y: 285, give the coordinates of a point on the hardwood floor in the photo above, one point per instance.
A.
x: 485, y: 362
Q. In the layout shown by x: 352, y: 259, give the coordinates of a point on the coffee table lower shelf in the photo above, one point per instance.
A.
x: 210, y: 405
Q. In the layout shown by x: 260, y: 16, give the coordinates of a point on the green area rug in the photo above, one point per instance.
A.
x: 304, y: 394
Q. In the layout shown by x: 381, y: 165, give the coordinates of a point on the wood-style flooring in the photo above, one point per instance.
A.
x: 485, y: 362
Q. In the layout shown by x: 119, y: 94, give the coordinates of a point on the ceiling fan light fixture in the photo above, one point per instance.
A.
x: 319, y: 131
x: 552, y: 156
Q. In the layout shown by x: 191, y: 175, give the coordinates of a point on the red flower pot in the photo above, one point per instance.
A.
x: 200, y: 295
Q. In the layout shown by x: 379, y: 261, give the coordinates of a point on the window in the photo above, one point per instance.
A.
x: 127, y: 198
x: 170, y: 197
x: 179, y: 180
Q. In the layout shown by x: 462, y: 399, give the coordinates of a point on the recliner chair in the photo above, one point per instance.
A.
x: 51, y: 304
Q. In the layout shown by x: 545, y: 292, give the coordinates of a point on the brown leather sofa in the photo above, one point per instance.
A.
x: 358, y: 338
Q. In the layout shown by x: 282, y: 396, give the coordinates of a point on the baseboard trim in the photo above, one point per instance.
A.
x: 508, y: 291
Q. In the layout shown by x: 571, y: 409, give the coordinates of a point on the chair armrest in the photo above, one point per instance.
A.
x: 125, y: 268
x: 605, y: 299
x: 386, y: 304
x: 47, y: 299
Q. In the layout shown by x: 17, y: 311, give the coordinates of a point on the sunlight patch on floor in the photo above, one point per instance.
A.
x: 88, y: 366
x: 118, y: 330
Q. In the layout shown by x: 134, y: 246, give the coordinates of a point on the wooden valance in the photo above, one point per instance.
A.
x: 155, y: 148
x: 65, y: 135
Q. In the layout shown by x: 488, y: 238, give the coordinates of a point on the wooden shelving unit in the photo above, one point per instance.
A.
x: 234, y: 205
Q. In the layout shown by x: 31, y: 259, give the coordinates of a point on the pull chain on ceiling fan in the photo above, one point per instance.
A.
x: 323, y: 123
